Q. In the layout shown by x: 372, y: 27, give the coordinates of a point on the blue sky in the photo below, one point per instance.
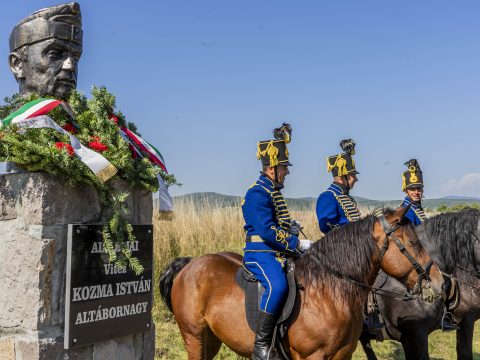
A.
x: 205, y: 80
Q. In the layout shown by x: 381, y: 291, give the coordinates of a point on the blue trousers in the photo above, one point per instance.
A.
x: 269, y: 269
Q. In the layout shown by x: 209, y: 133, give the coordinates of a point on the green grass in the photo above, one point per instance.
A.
x: 441, y: 346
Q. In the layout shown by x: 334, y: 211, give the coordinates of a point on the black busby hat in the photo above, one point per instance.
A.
x: 275, y: 152
x: 413, y: 177
x: 343, y: 164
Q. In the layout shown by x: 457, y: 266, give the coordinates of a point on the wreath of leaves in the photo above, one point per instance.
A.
x: 36, y: 150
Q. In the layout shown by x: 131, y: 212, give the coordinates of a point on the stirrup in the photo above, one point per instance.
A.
x: 448, y: 324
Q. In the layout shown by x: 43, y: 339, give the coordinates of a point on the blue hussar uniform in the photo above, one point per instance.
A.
x: 267, y: 221
x: 413, y: 178
x: 335, y: 207
x: 268, y: 238
x: 415, y: 214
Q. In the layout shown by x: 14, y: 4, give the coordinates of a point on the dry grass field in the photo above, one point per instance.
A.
x: 193, y: 232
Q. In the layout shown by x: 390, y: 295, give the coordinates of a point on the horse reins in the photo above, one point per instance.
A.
x: 374, y: 289
x: 469, y: 272
x: 421, y: 272
x: 462, y: 281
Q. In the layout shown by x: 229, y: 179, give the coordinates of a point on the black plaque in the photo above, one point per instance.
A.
x: 104, y: 302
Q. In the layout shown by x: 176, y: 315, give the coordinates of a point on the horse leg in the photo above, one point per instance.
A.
x: 415, y: 346
x: 207, y: 303
x: 212, y: 345
x: 203, y: 345
x: 465, y: 339
x: 367, y: 346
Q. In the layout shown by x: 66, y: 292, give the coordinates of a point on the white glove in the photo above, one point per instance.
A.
x: 304, y: 244
x: 295, y: 227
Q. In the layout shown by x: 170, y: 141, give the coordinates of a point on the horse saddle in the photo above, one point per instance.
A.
x: 253, y: 293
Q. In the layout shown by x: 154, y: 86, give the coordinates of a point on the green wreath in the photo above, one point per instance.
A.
x: 49, y: 151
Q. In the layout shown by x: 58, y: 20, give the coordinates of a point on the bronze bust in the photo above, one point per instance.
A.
x: 45, y: 48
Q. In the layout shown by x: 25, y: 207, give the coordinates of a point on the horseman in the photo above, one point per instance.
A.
x: 412, y: 185
x: 335, y: 206
x: 271, y: 235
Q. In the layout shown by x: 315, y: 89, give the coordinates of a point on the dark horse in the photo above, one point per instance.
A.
x: 452, y: 240
x: 209, y: 307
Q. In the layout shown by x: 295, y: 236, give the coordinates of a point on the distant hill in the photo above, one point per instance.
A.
x: 201, y: 199
x: 463, y: 198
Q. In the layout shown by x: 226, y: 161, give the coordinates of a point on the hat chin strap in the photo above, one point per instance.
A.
x: 276, y: 174
x: 347, y: 185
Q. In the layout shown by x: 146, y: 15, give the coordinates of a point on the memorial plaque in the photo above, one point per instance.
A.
x: 102, y: 301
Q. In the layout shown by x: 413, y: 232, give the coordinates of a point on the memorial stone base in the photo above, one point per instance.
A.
x: 35, y: 209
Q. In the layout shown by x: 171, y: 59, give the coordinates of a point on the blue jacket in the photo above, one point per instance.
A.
x: 266, y: 215
x: 335, y: 207
x: 415, y: 214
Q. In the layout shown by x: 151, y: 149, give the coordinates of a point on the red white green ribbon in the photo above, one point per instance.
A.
x: 165, y: 202
x: 33, y: 116
x: 153, y: 154
x: 145, y: 149
x: 34, y: 108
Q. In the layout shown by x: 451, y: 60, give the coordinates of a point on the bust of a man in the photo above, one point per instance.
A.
x: 45, y: 48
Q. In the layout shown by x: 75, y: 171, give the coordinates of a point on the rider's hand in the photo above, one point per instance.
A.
x: 295, y: 227
x: 304, y: 245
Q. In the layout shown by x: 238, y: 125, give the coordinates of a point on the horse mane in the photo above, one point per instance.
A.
x: 346, y: 253
x: 454, y: 234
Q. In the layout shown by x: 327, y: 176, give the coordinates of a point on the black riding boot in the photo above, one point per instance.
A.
x: 263, y: 336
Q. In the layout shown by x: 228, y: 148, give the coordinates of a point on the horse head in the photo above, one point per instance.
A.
x: 403, y: 257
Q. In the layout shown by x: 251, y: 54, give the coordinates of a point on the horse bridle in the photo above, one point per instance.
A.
x: 422, y: 274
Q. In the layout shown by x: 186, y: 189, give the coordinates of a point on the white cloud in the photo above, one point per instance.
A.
x: 468, y: 184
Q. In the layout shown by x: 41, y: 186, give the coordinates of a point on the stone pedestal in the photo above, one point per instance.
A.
x: 35, y: 209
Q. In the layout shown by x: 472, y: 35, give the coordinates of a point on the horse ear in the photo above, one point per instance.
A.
x: 400, y: 214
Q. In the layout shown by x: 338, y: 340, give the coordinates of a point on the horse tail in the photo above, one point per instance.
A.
x: 166, y: 280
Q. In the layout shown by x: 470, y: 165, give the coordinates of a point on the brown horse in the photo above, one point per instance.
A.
x: 209, y: 306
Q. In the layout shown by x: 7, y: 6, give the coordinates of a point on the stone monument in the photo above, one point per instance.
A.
x: 36, y: 208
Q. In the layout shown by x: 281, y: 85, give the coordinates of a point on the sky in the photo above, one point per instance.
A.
x: 205, y: 80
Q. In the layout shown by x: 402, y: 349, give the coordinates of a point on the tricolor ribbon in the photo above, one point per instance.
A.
x: 33, y: 115
x: 141, y: 147
x: 35, y: 108
x: 153, y: 154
